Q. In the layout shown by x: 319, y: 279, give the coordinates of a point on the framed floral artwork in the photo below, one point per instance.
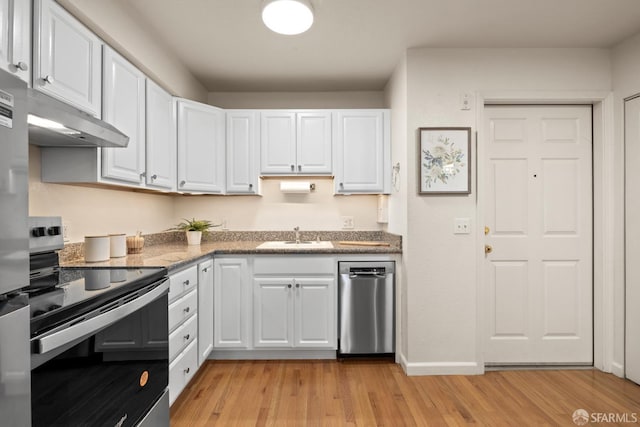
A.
x: 444, y: 160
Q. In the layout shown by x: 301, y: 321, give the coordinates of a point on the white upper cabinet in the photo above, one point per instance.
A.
x: 161, y: 138
x: 67, y: 58
x: 243, y: 145
x: 362, y: 151
x: 15, y: 37
x: 295, y: 142
x: 124, y: 108
x: 201, y: 151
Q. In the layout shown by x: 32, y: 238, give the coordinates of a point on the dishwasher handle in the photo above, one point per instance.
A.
x: 379, y: 273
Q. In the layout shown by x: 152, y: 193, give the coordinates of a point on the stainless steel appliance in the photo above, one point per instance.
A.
x: 14, y: 254
x: 366, y: 308
x: 99, y: 339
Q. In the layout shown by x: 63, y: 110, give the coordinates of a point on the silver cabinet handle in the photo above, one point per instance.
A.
x: 299, y: 168
x: 154, y: 176
x: 293, y: 168
x: 143, y: 174
x: 22, y: 66
x: 48, y: 79
x: 289, y: 286
x: 78, y: 330
x: 186, y: 282
x: 186, y: 337
x: 186, y: 310
x: 186, y: 371
x: 297, y: 285
x: 182, y: 183
x: 250, y: 186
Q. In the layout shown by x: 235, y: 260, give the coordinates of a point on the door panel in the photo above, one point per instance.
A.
x: 539, y: 212
x: 632, y: 240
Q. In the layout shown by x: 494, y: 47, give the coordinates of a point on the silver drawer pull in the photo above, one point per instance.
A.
x: 186, y: 310
x: 186, y: 337
x: 22, y: 66
x: 48, y: 79
x: 186, y: 371
x: 186, y: 282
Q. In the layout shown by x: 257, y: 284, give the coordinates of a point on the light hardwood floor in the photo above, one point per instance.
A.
x: 372, y: 393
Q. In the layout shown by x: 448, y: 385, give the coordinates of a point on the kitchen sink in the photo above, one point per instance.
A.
x: 291, y: 244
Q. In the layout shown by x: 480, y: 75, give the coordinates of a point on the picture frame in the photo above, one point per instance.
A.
x: 444, y: 160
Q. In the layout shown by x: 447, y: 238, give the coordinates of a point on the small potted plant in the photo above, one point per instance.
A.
x: 194, y: 228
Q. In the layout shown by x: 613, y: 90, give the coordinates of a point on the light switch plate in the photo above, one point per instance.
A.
x: 461, y: 226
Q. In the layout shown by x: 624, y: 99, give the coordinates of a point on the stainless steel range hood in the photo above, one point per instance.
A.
x: 53, y: 123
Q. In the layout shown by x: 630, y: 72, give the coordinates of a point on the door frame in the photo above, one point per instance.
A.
x: 606, y: 278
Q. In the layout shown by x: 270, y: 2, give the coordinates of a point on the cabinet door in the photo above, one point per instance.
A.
x: 277, y: 142
x: 124, y: 108
x: 231, y: 303
x: 272, y: 311
x: 315, y: 312
x: 362, y: 151
x: 313, y: 143
x: 243, y: 136
x: 205, y: 310
x: 15, y: 37
x: 161, y: 138
x: 67, y: 58
x: 201, y: 158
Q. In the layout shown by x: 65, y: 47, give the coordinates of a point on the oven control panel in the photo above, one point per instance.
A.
x: 45, y: 234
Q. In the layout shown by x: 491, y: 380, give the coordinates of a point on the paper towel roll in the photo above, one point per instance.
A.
x: 295, y: 187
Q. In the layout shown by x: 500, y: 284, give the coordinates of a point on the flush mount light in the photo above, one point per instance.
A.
x: 287, y: 17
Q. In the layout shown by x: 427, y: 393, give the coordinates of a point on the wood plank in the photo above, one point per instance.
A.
x: 378, y: 393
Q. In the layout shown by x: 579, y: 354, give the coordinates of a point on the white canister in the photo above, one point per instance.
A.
x: 96, y: 248
x: 118, y: 245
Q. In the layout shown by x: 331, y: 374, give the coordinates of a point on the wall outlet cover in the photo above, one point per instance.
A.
x: 347, y: 222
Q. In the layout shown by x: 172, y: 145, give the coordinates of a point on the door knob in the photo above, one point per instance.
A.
x: 487, y: 230
x: 488, y: 249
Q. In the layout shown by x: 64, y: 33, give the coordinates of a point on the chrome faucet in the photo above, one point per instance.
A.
x: 297, y: 230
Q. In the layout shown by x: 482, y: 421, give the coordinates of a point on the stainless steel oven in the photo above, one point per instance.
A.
x: 99, y: 344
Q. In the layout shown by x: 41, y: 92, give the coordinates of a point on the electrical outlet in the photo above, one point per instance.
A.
x: 347, y: 222
x: 466, y: 100
x: 461, y: 226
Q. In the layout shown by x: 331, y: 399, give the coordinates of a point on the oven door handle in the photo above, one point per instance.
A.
x: 88, y: 327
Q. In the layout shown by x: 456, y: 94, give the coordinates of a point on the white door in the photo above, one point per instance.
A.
x: 231, y: 303
x: 201, y: 140
x: 124, y: 108
x: 277, y: 142
x: 313, y: 142
x: 243, y: 135
x: 632, y: 239
x: 359, y: 139
x: 67, y: 58
x: 315, y: 312
x: 538, y: 210
x: 161, y: 138
x: 272, y: 311
x: 205, y: 310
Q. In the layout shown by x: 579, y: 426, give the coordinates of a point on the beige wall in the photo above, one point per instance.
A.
x: 120, y: 27
x: 626, y: 83
x: 441, y: 268
x: 318, y: 210
x: 371, y: 99
x: 91, y: 211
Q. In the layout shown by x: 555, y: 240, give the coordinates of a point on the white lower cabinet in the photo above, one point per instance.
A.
x: 182, y: 369
x: 183, y: 329
x: 232, y: 303
x: 205, y: 310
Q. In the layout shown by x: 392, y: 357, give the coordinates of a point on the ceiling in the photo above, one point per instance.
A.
x: 356, y: 44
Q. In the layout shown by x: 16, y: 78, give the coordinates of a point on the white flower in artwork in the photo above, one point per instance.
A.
x: 442, y: 162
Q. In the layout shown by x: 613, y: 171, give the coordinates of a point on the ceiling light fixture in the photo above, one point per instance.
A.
x: 287, y: 17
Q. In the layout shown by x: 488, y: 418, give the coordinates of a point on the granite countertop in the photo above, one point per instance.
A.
x: 170, y: 249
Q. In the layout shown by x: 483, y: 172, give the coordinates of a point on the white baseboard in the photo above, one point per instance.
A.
x: 271, y: 354
x: 617, y: 369
x: 440, y: 368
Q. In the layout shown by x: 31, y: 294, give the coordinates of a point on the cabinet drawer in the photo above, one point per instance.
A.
x: 183, y: 336
x: 294, y: 265
x: 182, y: 282
x: 181, y: 370
x: 182, y: 308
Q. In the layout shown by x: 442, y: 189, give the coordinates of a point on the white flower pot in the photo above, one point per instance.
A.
x: 194, y: 237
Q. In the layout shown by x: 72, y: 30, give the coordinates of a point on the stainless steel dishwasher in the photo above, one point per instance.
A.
x: 366, y: 308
